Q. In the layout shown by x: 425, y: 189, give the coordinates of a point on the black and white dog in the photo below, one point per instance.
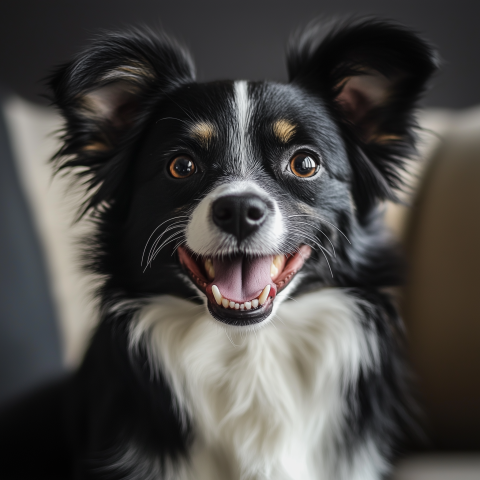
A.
x: 244, y: 333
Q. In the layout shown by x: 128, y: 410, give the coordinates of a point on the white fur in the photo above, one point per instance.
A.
x: 242, y: 107
x: 264, y: 404
x: 205, y: 238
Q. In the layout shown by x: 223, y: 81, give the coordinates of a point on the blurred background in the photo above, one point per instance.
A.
x: 229, y: 39
x: 45, y: 310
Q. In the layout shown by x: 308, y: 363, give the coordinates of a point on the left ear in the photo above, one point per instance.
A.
x: 371, y: 73
x: 106, y: 95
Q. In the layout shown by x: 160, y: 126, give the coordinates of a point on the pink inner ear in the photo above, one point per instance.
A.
x: 363, y: 93
x: 110, y: 102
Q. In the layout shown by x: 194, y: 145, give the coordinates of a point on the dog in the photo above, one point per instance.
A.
x: 245, y: 330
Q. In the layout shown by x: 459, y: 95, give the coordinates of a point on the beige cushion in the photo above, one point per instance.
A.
x: 439, y: 467
x: 441, y: 300
x: 34, y: 134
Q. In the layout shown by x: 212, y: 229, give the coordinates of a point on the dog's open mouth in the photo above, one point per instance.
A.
x: 241, y: 289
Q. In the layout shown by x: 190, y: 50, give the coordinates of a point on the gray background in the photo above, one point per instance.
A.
x: 242, y: 39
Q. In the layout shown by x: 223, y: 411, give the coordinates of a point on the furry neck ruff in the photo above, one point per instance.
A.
x: 266, y: 404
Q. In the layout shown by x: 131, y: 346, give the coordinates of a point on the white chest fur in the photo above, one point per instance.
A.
x: 265, y: 404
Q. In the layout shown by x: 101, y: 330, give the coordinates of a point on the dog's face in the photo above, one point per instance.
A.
x: 235, y: 191
x: 238, y: 178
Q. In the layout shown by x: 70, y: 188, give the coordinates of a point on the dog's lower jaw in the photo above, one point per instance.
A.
x: 240, y: 318
x: 262, y: 276
x: 267, y: 405
x: 265, y: 316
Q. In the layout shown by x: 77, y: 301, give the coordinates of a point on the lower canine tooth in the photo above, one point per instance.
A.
x: 225, y: 302
x: 264, y: 295
x: 248, y: 305
x: 217, y: 294
x: 232, y: 304
x: 255, y: 303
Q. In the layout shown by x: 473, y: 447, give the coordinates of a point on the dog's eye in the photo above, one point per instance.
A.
x: 182, y: 167
x: 303, y: 165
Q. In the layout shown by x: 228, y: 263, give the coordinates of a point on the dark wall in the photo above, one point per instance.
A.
x: 242, y: 39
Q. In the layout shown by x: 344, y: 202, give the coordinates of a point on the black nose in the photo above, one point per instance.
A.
x: 240, y: 215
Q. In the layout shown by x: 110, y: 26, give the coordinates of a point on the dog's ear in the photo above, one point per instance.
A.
x: 105, y: 95
x: 371, y: 73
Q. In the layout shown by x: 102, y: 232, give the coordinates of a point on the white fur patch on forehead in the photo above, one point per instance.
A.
x: 243, y: 104
x: 243, y: 108
x: 203, y: 132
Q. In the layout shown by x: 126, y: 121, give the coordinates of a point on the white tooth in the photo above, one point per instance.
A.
x: 278, y: 260
x: 217, y: 294
x: 232, y: 304
x: 209, y: 268
x: 255, y: 303
x: 248, y: 305
x: 264, y: 295
x: 273, y: 270
x: 225, y: 302
x: 242, y: 306
x: 237, y: 306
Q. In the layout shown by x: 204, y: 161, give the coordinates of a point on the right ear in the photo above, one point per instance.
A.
x: 371, y: 73
x: 105, y: 95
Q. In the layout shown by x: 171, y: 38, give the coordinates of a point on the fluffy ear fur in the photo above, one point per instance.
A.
x: 371, y: 73
x: 105, y: 95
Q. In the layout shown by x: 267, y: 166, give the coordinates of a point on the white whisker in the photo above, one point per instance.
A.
x: 321, y: 231
x: 322, y: 220
x: 170, y: 239
x: 151, y: 235
x: 154, y: 245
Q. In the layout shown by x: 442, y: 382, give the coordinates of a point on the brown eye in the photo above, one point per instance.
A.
x: 182, y: 167
x: 304, y: 165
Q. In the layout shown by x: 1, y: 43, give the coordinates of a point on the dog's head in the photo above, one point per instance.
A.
x: 237, y: 190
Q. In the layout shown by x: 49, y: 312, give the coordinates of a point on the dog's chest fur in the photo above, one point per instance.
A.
x: 265, y: 404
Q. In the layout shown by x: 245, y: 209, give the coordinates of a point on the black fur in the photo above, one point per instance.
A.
x: 125, y: 101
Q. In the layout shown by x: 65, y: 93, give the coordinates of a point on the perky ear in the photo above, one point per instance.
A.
x: 371, y: 73
x: 105, y: 95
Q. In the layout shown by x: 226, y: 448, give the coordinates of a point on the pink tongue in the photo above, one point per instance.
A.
x: 242, y: 279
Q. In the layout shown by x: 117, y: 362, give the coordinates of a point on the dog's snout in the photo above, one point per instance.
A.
x: 240, y: 215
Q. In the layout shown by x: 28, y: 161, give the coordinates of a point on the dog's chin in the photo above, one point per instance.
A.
x: 241, y: 289
x: 239, y: 318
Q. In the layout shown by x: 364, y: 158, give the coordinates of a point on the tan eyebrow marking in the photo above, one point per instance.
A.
x: 203, y: 132
x: 284, y: 130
